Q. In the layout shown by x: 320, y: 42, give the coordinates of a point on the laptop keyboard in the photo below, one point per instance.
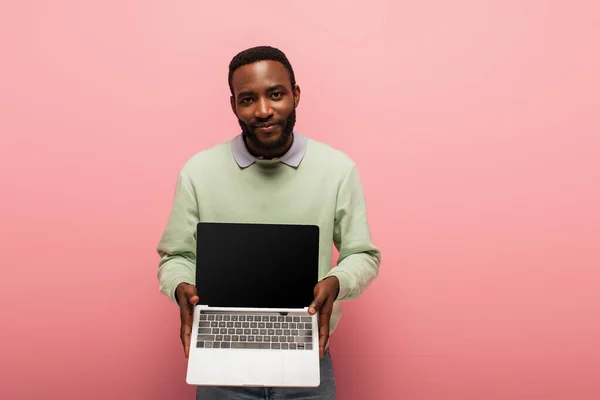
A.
x: 268, y: 331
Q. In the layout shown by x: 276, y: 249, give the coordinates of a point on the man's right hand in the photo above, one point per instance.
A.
x: 187, y: 297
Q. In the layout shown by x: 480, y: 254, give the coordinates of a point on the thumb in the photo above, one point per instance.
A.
x: 192, y: 295
x: 317, y: 302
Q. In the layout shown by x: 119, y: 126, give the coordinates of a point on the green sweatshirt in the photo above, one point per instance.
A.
x: 316, y: 185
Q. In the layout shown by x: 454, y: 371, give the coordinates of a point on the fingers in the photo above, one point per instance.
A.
x: 323, y: 303
x: 186, y: 329
x: 187, y: 316
x: 323, y: 318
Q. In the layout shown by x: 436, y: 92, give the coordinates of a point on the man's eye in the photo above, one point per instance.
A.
x: 277, y: 95
x: 246, y: 100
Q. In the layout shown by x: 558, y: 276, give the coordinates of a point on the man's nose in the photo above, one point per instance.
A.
x: 263, y: 109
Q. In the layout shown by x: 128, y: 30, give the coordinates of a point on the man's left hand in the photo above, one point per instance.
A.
x: 325, y: 293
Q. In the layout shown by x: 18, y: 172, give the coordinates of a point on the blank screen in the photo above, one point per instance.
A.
x: 256, y: 265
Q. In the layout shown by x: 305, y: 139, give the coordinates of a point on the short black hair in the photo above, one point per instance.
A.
x: 260, y: 53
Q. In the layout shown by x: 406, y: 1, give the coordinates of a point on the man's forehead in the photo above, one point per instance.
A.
x: 260, y: 74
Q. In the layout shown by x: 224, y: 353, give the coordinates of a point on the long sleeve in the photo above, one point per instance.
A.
x: 359, y: 259
x: 177, y: 246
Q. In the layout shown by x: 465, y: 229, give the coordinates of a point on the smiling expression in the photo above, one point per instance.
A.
x: 265, y: 104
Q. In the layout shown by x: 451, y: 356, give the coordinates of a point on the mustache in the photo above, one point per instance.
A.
x: 287, y: 124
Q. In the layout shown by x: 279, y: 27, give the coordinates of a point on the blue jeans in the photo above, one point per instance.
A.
x: 326, y: 391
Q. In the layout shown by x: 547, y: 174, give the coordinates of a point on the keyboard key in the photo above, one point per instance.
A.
x: 208, y: 345
x: 300, y: 346
x: 247, y: 331
x: 204, y: 330
x: 214, y: 324
x: 211, y: 317
x: 285, y: 346
x: 308, y: 346
x: 271, y: 332
x: 282, y: 338
x: 255, y: 345
x: 276, y: 346
x: 253, y: 325
x: 285, y: 325
x: 231, y: 331
x: 245, y: 325
x: 238, y: 324
x: 206, y: 338
x: 308, y: 326
x: 200, y: 345
x: 227, y: 318
x: 274, y: 338
x: 269, y: 325
x: 254, y: 331
x: 266, y: 339
x: 225, y: 345
x: 204, y: 324
x: 222, y: 324
x: 281, y: 318
x: 215, y: 330
x: 223, y: 331
x: 219, y: 338
x: 250, y: 318
x: 306, y: 319
x: 227, y: 338
x: 243, y: 338
x: 290, y: 339
x: 277, y: 325
x: 234, y: 317
x: 235, y: 338
x: 293, y: 325
x: 295, y: 332
x: 259, y: 338
x: 287, y: 332
x: 262, y: 325
x: 203, y: 317
x: 251, y: 338
x: 296, y: 319
x: 289, y: 319
x: 242, y: 318
x: 239, y: 331
x: 263, y: 332
x: 292, y: 346
x: 278, y: 332
x: 216, y: 345
x: 300, y: 326
x: 265, y: 318
x: 303, y: 339
x: 219, y: 318
x: 230, y: 324
x: 305, y: 332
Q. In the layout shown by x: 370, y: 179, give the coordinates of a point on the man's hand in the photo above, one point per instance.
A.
x: 187, y: 297
x: 325, y: 293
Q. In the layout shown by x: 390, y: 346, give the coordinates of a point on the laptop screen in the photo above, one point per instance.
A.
x: 256, y: 265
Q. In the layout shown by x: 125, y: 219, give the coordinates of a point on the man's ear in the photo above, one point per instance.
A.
x: 232, y: 101
x: 296, y: 95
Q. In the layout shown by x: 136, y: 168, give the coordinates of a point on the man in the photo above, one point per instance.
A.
x: 271, y: 174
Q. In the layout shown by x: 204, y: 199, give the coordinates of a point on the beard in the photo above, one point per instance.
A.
x: 286, y: 131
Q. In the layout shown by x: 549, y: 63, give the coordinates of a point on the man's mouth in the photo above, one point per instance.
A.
x: 266, y: 127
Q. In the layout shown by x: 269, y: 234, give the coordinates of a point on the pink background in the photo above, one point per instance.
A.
x: 475, y: 126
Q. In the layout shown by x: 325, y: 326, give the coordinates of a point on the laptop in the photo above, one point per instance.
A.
x: 251, y: 326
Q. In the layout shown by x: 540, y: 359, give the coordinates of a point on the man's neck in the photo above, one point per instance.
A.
x: 269, y: 154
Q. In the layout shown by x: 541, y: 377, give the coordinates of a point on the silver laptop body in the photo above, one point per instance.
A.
x: 252, y: 326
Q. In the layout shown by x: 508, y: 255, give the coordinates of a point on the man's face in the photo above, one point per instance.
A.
x: 265, y: 103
